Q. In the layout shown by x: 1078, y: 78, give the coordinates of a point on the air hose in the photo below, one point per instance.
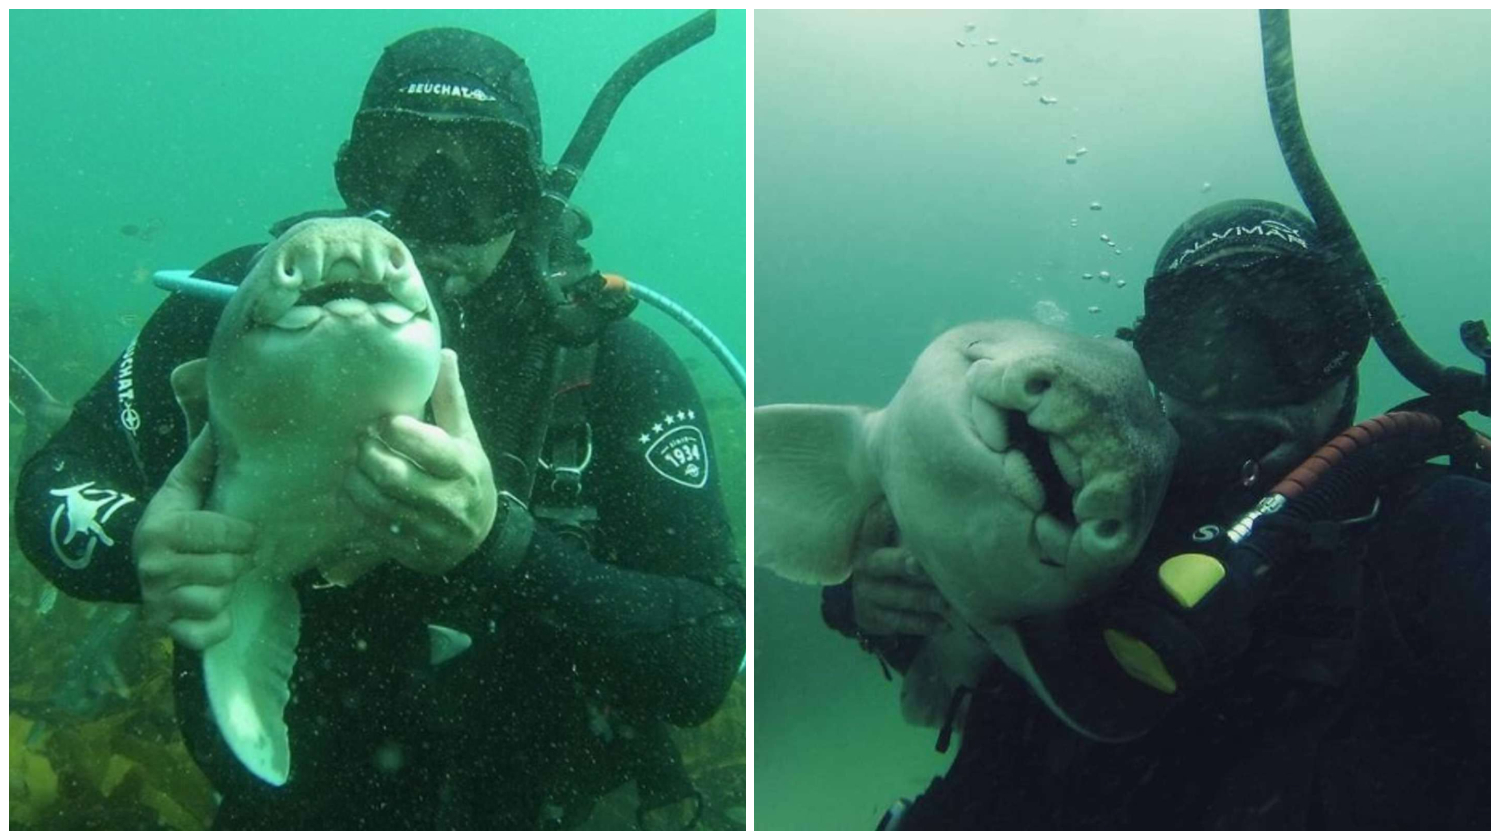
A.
x: 1212, y: 591
x: 182, y: 280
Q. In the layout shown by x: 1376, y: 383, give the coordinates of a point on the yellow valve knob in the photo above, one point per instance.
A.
x: 1188, y: 577
x: 1140, y: 661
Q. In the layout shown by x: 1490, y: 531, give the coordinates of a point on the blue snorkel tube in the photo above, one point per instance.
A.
x: 179, y: 280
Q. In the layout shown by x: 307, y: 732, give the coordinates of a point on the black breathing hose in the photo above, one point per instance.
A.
x: 1464, y: 390
x: 523, y: 427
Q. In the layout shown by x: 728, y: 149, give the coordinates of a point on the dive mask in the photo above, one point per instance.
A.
x: 452, y: 181
x: 1275, y: 331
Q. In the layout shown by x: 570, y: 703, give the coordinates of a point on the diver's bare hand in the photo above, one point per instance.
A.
x: 430, y: 487
x: 891, y: 593
x: 188, y: 559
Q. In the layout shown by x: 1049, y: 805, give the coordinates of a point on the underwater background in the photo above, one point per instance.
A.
x: 150, y: 140
x: 909, y: 179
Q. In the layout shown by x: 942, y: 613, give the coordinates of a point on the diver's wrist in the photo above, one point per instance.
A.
x: 511, y: 532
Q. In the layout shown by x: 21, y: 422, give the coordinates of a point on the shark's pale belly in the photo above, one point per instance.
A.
x: 331, y: 331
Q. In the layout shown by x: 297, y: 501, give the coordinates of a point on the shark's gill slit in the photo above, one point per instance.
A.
x: 1033, y: 444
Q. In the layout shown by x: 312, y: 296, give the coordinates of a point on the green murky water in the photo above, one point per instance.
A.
x: 906, y: 183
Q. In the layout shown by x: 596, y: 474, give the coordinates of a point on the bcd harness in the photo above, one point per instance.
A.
x: 567, y: 451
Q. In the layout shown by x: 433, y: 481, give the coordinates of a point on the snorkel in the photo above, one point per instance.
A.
x: 1455, y: 389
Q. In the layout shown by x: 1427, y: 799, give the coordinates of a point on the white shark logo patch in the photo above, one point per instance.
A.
x: 680, y: 454
x: 83, y: 512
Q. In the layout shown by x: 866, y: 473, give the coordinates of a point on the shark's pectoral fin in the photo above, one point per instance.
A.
x: 814, y: 482
x: 1010, y: 645
x: 248, y: 676
x: 190, y: 386
x: 445, y: 642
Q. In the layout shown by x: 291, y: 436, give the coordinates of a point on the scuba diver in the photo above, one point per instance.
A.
x: 1356, y: 695
x: 604, y: 602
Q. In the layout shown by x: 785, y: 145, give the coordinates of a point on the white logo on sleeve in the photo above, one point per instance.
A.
x: 675, y: 448
x: 81, y: 517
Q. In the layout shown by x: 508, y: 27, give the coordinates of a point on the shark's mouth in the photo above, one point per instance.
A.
x: 320, y: 295
x: 395, y: 304
x: 1034, y: 445
x: 1044, y: 471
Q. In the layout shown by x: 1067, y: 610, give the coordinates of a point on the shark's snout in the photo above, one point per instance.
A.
x: 1028, y: 410
x: 317, y: 276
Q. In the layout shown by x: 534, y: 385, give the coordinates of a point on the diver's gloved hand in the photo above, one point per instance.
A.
x: 188, y: 559
x: 890, y: 591
x: 429, y: 488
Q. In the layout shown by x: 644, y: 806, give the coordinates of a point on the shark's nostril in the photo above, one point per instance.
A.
x: 397, y: 258
x: 1108, y: 528
x: 1038, y: 385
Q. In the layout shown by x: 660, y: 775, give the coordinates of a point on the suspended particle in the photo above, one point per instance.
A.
x: 1015, y: 53
x: 1094, y: 310
x: 959, y: 41
x: 1082, y: 150
x: 1120, y: 283
x: 1118, y: 251
x: 1104, y: 275
x: 1088, y: 275
x: 992, y: 62
x: 1072, y: 223
x: 1030, y: 81
x: 992, y: 41
x: 1103, y: 237
x: 1206, y: 187
x: 1048, y: 100
x: 1094, y: 205
x: 1069, y: 159
x: 969, y: 27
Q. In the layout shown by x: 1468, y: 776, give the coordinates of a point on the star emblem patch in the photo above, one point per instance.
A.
x: 677, y: 450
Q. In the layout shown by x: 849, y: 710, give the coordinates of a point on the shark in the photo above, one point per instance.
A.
x: 332, y: 328
x: 1023, y: 464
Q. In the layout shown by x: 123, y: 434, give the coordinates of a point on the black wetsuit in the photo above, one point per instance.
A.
x: 1363, y: 701
x: 579, y: 658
